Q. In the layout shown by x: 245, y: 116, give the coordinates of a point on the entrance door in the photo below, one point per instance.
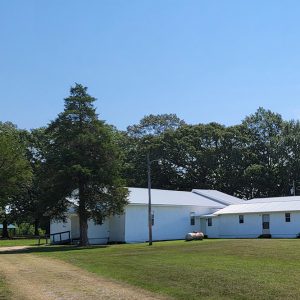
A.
x: 266, y: 224
x: 75, y: 232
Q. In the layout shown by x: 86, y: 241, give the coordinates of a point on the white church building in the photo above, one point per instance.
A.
x: 175, y: 213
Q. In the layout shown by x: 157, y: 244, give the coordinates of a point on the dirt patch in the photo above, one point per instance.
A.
x: 14, y: 248
x: 39, y: 278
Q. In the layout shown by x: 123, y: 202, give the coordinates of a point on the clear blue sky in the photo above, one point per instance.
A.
x: 204, y: 60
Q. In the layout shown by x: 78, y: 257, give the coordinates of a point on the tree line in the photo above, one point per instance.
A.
x: 258, y: 158
x: 80, y: 157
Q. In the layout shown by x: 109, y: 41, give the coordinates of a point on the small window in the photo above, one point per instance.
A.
x: 209, y: 222
x: 152, y: 219
x: 266, y: 225
x: 287, y: 217
x: 192, y: 219
x: 241, y: 219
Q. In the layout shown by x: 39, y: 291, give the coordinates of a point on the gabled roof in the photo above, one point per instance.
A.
x: 217, y: 196
x: 168, y: 197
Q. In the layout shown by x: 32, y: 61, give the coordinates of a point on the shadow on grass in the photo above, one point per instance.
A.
x: 48, y: 249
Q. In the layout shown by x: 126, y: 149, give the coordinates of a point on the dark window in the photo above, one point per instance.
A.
x: 287, y: 217
x: 209, y: 222
x: 192, y: 219
x: 241, y: 219
x: 266, y: 225
x: 152, y: 218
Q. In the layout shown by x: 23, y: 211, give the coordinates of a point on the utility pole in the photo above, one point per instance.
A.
x: 149, y: 199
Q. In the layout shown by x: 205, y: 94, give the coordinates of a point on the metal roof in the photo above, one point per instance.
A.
x: 168, y: 197
x: 274, y: 199
x: 260, y: 207
x: 218, y: 196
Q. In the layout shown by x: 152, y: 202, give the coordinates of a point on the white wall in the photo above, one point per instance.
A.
x: 59, y: 226
x: 98, y: 234
x: 117, y: 228
x: 281, y: 229
x: 170, y: 222
x: 75, y: 227
x: 212, y: 231
x: 229, y: 226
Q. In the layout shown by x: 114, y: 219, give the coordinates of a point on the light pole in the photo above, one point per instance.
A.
x: 149, y: 162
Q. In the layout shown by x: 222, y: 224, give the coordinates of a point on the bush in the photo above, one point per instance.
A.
x: 27, y: 229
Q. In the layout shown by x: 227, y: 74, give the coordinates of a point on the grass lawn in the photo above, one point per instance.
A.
x: 209, y: 269
x: 19, y: 242
x: 4, y: 291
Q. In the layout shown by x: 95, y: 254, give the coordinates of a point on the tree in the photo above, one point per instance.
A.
x: 202, y: 156
x: 153, y: 125
x: 15, y: 171
x: 264, y: 131
x: 84, y: 162
x: 146, y: 137
x: 32, y: 203
x: 290, y: 166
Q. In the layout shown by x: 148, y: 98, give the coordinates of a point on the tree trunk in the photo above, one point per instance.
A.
x: 5, y: 234
x: 36, y: 227
x: 83, y: 219
x: 84, y: 241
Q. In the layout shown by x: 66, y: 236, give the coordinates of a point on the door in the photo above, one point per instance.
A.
x: 75, y: 229
x: 265, y: 224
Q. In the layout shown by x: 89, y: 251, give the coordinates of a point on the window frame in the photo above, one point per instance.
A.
x: 209, y: 222
x: 287, y: 217
x: 192, y: 219
x: 241, y: 219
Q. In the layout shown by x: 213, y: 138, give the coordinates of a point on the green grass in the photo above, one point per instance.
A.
x: 4, y: 291
x: 18, y: 242
x: 209, y: 269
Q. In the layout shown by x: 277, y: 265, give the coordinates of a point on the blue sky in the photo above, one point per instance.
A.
x: 203, y: 60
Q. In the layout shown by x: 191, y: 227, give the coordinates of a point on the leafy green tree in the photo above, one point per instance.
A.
x: 206, y: 156
x: 265, y: 133
x: 33, y: 202
x: 154, y: 125
x: 84, y: 162
x: 290, y: 166
x: 257, y: 158
x: 141, y: 139
x: 15, y: 170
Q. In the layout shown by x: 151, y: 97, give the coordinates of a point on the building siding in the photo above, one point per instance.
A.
x: 117, y: 228
x: 170, y: 222
x: 228, y: 226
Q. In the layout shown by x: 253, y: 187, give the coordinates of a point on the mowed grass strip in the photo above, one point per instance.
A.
x: 5, y: 293
x: 18, y: 242
x: 209, y: 269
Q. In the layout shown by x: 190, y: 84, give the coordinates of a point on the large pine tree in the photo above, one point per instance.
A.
x: 84, y: 162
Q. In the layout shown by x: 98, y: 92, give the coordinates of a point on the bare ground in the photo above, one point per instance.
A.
x: 39, y: 278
